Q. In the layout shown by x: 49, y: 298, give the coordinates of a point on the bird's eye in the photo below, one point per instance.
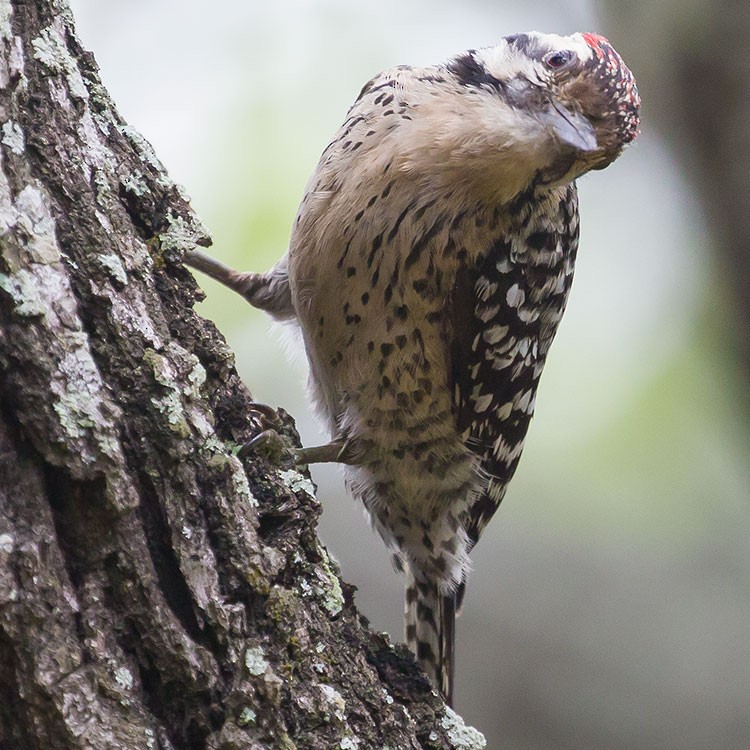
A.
x: 559, y: 59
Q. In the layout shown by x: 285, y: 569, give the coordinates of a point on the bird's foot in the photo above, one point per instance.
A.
x: 271, y: 445
x: 278, y: 440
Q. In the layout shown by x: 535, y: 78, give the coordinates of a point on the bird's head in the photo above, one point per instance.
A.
x: 569, y: 99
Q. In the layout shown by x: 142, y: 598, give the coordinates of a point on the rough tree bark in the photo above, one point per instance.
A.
x: 156, y: 591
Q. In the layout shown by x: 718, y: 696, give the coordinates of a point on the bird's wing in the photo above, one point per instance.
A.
x: 490, y: 373
x: 503, y: 314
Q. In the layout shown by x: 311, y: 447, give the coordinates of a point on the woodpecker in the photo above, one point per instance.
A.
x: 428, y: 269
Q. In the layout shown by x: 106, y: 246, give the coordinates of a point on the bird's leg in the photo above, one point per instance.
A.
x: 337, y: 451
x: 271, y: 442
x: 267, y: 291
x: 253, y: 286
x: 242, y: 283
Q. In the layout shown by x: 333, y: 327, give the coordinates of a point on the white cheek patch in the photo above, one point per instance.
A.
x: 505, y: 62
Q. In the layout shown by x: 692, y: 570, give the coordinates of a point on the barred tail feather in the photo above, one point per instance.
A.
x: 430, y: 619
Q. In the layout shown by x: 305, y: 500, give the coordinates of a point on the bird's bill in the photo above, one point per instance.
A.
x: 570, y: 128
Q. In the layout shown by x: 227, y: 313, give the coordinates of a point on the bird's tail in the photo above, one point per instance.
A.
x: 430, y: 619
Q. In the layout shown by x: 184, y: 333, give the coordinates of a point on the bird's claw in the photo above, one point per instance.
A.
x: 267, y: 416
x: 273, y: 441
x: 269, y: 444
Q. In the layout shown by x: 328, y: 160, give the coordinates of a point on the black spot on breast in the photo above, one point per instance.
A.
x: 419, y: 213
x: 422, y: 242
x: 376, y: 243
x: 395, y: 274
x: 458, y: 219
x: 425, y: 385
x: 401, y: 217
x: 450, y: 248
x: 341, y: 260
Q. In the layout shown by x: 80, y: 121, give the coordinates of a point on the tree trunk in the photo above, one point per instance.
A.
x: 156, y: 590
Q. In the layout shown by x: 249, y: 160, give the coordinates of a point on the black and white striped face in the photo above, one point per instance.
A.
x: 576, y: 86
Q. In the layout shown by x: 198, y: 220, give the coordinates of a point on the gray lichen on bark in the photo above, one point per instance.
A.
x: 156, y: 590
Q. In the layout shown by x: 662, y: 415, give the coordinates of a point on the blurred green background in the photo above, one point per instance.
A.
x: 610, y: 603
